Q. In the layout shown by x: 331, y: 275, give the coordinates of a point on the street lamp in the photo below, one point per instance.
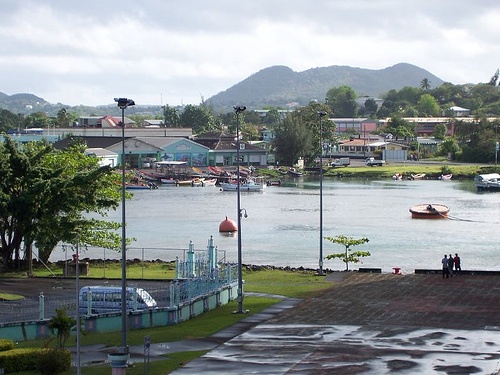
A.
x: 123, y: 103
x: 321, y: 114
x: 237, y: 110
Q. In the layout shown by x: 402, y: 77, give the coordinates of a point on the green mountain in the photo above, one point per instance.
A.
x: 280, y: 86
x: 277, y: 86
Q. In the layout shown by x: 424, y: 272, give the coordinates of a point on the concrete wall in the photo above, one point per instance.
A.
x: 33, y: 330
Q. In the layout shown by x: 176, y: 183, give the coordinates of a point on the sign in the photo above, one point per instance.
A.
x: 496, y: 146
x: 147, y: 342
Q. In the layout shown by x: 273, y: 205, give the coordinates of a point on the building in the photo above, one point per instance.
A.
x: 388, y: 149
x: 105, y: 157
x: 223, y: 150
x: 459, y: 111
x: 357, y: 125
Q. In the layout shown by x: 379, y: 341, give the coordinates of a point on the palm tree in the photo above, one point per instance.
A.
x: 425, y: 84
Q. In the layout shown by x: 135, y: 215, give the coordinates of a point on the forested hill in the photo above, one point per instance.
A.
x: 279, y: 85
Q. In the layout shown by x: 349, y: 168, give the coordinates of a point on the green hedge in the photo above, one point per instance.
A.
x: 47, y: 361
x: 6, y: 345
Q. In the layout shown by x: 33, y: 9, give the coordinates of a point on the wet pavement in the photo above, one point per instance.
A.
x: 365, y: 324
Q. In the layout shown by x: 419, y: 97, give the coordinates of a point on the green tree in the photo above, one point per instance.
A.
x: 10, y: 121
x: 371, y: 106
x: 272, y: 117
x: 309, y: 116
x: 425, y: 84
x: 428, y: 105
x: 476, y: 140
x: 348, y: 255
x: 37, y: 120
x: 44, y: 195
x: 62, y: 118
x: 494, y: 79
x: 198, y: 118
x: 292, y: 140
x: 60, y: 326
x: 449, y: 146
x: 439, y: 131
x: 342, y: 101
x: 400, y: 128
x: 171, y: 117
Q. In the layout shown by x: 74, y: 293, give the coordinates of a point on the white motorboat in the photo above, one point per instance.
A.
x: 490, y: 181
x: 248, y: 185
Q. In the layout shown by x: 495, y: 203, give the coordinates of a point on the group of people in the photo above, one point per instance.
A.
x: 450, y: 263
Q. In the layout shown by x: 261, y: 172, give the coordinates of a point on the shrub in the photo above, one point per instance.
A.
x: 17, y: 360
x: 47, y: 361
x: 53, y: 361
x: 60, y: 325
x: 6, y: 345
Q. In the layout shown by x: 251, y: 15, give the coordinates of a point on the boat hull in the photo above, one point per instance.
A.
x: 228, y: 186
x: 429, y: 211
x: 488, y: 182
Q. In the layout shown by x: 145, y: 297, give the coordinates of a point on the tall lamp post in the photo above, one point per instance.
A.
x: 237, y: 110
x: 321, y: 114
x: 123, y: 103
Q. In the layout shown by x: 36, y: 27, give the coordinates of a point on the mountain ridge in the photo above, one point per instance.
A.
x: 276, y: 86
x: 280, y: 86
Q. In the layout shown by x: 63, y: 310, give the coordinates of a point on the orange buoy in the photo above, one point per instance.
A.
x: 228, y: 226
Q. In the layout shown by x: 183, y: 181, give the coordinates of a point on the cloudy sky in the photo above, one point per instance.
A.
x: 174, y: 52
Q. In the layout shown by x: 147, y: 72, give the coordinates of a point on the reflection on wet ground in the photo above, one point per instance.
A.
x: 373, y: 324
x: 318, y: 349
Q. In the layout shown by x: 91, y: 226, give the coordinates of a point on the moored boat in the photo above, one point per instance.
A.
x: 397, y: 177
x: 295, y: 173
x: 184, y: 182
x: 209, y: 182
x: 417, y: 176
x: 195, y: 182
x: 490, y: 181
x: 168, y: 181
x: 273, y: 182
x: 248, y: 185
x: 446, y: 177
x: 429, y: 211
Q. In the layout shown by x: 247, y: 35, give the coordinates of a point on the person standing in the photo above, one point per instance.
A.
x: 450, y: 265
x: 458, y: 266
x: 444, y: 261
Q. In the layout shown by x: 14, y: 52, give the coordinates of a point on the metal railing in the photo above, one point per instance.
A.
x: 196, y: 274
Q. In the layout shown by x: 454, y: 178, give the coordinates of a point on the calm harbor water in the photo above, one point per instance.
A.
x: 282, y: 227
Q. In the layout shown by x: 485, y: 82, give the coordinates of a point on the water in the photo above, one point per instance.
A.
x: 282, y: 227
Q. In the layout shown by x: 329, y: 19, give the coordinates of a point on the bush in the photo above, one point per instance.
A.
x: 16, y: 360
x: 47, y: 361
x: 53, y: 361
x: 6, y: 345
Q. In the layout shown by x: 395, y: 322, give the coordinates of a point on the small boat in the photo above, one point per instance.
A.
x: 138, y: 186
x: 209, y: 182
x: 293, y: 172
x: 417, y: 176
x: 446, y: 177
x: 184, y: 182
x: 168, y: 181
x: 273, y: 182
x: 249, y: 185
x: 397, y: 177
x: 195, y: 182
x: 429, y: 211
x: 490, y: 181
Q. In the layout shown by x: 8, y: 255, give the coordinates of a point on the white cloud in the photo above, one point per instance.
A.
x: 89, y: 52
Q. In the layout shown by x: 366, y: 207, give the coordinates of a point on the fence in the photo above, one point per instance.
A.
x: 101, y: 259
x: 196, y: 274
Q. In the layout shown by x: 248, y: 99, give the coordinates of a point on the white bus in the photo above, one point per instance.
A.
x: 103, y: 299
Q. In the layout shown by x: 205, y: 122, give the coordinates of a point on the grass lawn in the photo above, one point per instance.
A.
x: 467, y: 171
x: 10, y: 297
